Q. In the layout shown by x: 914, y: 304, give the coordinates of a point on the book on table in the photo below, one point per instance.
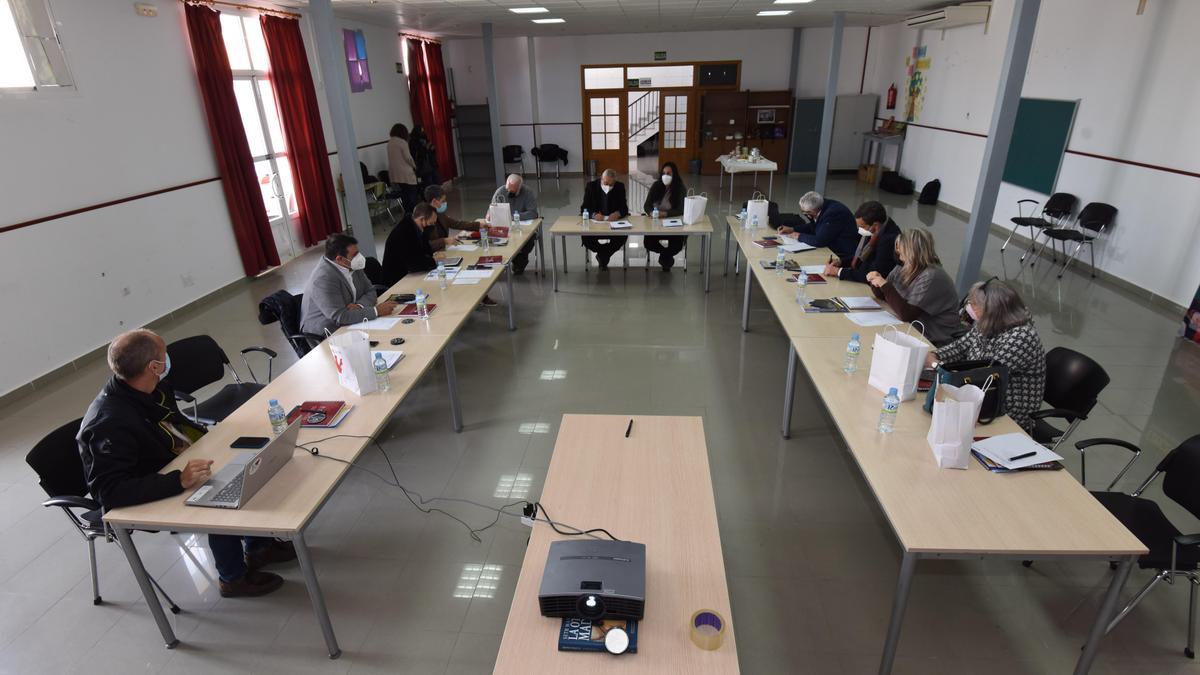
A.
x: 587, y: 635
x: 672, y: 222
x: 766, y: 243
x: 789, y: 265
x: 812, y: 278
x: 1013, y: 452
x: 320, y: 414
x: 490, y: 260
x: 411, y: 309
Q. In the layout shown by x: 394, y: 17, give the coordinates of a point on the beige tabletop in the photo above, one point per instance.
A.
x: 653, y: 488
x: 573, y: 225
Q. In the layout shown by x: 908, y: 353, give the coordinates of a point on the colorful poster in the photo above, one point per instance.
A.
x: 918, y: 66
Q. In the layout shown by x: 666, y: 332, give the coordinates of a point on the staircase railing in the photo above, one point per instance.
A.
x: 644, y: 107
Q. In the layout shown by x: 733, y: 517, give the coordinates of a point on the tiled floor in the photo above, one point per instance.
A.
x: 810, y: 560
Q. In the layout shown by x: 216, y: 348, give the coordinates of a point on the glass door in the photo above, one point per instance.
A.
x: 604, y: 135
x: 677, y: 144
x: 256, y: 102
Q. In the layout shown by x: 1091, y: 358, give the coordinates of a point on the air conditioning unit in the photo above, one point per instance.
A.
x: 951, y: 17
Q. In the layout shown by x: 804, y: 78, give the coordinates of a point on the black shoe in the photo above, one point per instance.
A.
x: 603, y: 265
x: 252, y: 584
x: 518, y: 271
x: 271, y: 554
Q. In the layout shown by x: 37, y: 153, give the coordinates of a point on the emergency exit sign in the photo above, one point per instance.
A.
x: 660, y: 56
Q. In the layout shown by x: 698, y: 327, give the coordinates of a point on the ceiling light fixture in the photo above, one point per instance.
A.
x: 548, y: 20
x: 528, y: 10
x: 775, y: 12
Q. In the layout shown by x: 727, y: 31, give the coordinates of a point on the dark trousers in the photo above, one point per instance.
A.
x: 604, y: 247
x: 666, y: 251
x: 521, y: 260
x: 229, y: 553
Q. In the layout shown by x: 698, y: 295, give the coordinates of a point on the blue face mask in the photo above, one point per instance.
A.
x: 442, y: 207
x: 166, y: 367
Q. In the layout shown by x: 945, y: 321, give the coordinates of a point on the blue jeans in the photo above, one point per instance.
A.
x: 229, y: 553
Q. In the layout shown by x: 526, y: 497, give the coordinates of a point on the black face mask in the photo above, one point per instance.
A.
x: 512, y: 195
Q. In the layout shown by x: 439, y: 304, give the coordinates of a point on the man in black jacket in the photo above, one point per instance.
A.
x: 407, y: 249
x: 133, y: 429
x: 605, y: 200
x: 876, y: 252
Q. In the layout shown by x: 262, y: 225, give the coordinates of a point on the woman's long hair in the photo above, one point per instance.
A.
x: 919, y: 253
x: 399, y: 131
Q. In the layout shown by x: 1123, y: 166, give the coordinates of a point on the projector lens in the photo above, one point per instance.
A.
x: 590, y: 607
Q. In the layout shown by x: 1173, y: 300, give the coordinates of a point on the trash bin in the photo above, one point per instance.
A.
x: 694, y: 167
x: 592, y: 168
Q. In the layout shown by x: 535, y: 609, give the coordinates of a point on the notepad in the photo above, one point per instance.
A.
x: 383, y: 323
x: 795, y: 245
x: 673, y: 222
x: 462, y: 247
x: 411, y: 310
x: 621, y: 225
x: 390, y: 357
x: 859, y: 302
x: 813, y: 269
x: 475, y: 274
x: 490, y: 259
x: 767, y: 243
x: 812, y: 278
x: 868, y: 319
x: 1003, y: 448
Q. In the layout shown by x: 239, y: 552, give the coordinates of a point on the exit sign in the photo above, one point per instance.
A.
x: 660, y: 56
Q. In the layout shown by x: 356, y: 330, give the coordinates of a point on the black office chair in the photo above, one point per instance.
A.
x: 1058, y: 210
x: 199, y: 361
x: 549, y: 152
x: 514, y: 154
x: 1073, y: 384
x: 284, y: 307
x: 1093, y: 220
x: 1171, y: 553
x: 55, y: 459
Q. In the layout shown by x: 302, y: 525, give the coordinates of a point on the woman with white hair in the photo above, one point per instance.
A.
x: 1003, y: 332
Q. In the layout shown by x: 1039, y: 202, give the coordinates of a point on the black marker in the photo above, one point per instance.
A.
x: 629, y: 428
x: 1024, y: 456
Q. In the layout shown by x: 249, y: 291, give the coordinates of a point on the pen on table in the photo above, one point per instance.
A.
x: 629, y: 428
x: 1026, y: 455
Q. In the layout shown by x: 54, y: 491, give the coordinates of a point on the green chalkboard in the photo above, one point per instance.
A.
x: 1040, y: 138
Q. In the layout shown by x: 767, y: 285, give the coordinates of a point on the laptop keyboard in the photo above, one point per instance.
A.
x: 231, y: 493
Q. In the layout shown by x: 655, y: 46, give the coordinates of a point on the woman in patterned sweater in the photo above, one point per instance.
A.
x: 1003, y: 331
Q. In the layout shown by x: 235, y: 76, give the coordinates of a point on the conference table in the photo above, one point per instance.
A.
x: 934, y: 513
x: 656, y: 490
x: 286, y: 506
x: 574, y: 226
x: 734, y: 165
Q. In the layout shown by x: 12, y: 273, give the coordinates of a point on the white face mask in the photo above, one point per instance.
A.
x: 667, y: 178
x: 605, y: 188
x: 971, y: 312
x: 358, y: 262
x: 864, y: 232
x: 166, y: 367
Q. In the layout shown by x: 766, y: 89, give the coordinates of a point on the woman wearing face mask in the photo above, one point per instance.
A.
x: 1003, y: 332
x: 604, y: 200
x: 667, y: 194
x: 918, y: 289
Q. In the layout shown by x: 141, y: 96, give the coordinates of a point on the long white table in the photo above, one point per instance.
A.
x: 574, y: 226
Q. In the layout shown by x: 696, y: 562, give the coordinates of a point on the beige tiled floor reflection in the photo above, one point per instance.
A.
x: 811, y: 561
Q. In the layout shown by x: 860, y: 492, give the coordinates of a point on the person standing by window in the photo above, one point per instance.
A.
x: 667, y: 195
x: 402, y: 170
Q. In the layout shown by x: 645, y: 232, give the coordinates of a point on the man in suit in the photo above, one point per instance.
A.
x: 439, y: 234
x: 524, y: 206
x: 407, y: 249
x: 604, y: 199
x: 832, y: 226
x: 133, y: 429
x: 876, y: 250
x: 338, y: 292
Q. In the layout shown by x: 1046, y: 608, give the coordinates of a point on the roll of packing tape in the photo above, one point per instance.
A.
x: 707, y: 629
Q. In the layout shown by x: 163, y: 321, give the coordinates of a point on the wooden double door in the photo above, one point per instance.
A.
x: 616, y: 120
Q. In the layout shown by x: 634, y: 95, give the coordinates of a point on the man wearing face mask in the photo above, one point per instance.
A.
x: 524, y: 205
x: 832, y: 226
x: 407, y: 250
x: 438, y: 234
x: 133, y: 429
x: 876, y: 250
x: 338, y: 292
x: 605, y: 200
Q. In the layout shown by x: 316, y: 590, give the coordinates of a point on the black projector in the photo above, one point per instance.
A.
x: 594, y: 579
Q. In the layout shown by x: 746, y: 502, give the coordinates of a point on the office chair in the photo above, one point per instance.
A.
x: 1093, y: 220
x: 55, y: 459
x: 549, y: 152
x: 514, y: 154
x: 1073, y: 384
x: 199, y: 361
x: 284, y: 307
x: 1171, y: 553
x: 1057, y: 210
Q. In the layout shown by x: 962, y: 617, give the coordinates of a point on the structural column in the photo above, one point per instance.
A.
x: 835, y: 57
x: 995, y: 152
x: 337, y: 95
x: 533, y: 89
x: 489, y: 72
x: 793, y: 74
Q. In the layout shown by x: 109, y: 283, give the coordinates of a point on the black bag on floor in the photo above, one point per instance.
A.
x: 929, y: 193
x: 976, y: 373
x: 895, y: 183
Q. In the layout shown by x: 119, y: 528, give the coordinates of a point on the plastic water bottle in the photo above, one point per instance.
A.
x: 742, y: 216
x: 746, y: 220
x: 780, y: 261
x: 422, y: 305
x: 441, y: 274
x: 887, y: 417
x: 514, y: 216
x: 754, y: 222
x: 801, y: 288
x: 587, y: 219
x: 654, y: 215
x: 277, y: 416
x: 382, y: 381
x: 853, y: 348
x: 484, y: 240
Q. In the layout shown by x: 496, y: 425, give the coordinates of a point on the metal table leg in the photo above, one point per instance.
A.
x: 725, y: 272
x: 452, y: 384
x: 564, y: 247
x: 314, y: 594
x: 706, y: 247
x: 746, y: 304
x: 554, y: 263
x: 908, y: 566
x: 1107, y: 609
x: 143, y: 579
x: 625, y: 254
x: 512, y: 324
x: 542, y: 249
x: 770, y: 184
x: 789, y: 390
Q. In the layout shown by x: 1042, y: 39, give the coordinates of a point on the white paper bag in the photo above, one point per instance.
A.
x: 352, y: 357
x: 500, y: 214
x: 955, y: 410
x: 897, y: 362
x: 758, y: 206
x: 693, y: 207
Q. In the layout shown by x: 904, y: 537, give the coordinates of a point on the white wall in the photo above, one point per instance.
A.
x: 135, y: 124
x: 814, y: 61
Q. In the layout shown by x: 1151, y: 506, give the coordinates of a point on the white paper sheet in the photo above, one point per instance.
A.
x: 859, y: 302
x: 462, y: 247
x: 1001, y: 449
x: 465, y: 281
x: 868, y: 319
x: 621, y: 225
x: 382, y: 323
x: 795, y: 246
x: 673, y: 222
x: 391, y: 358
x: 475, y: 274
x: 451, y: 272
x: 813, y: 269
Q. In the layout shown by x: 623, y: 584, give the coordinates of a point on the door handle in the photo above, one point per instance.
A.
x: 276, y: 186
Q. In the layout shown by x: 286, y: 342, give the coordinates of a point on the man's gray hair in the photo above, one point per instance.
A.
x: 609, y: 173
x: 1001, y: 307
x: 514, y: 178
x: 811, y: 201
x: 131, y: 352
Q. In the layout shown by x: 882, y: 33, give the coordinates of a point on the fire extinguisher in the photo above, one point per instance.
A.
x: 891, y: 97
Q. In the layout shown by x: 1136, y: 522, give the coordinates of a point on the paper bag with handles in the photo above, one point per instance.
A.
x: 351, y: 352
x: 897, y: 361
x: 500, y: 214
x: 955, y: 410
x: 694, y: 206
x: 758, y: 206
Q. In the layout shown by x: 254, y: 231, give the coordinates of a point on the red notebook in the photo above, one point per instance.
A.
x: 498, y: 232
x: 490, y: 259
x: 812, y: 279
x: 767, y: 243
x: 411, y: 309
x: 317, y: 413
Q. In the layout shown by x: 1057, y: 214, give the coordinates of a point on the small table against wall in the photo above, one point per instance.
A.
x: 731, y: 165
x: 876, y: 142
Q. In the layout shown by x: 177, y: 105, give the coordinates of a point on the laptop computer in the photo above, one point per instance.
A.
x: 241, y: 478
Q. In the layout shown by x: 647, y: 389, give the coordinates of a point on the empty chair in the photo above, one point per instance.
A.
x: 284, y: 307
x: 549, y: 152
x: 1172, y: 553
x: 55, y: 459
x: 1058, y: 210
x: 514, y: 154
x: 199, y: 361
x: 1073, y: 385
x: 1093, y: 220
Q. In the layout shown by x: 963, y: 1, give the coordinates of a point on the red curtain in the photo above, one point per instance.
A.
x: 430, y: 102
x: 296, y: 100
x: 243, y: 197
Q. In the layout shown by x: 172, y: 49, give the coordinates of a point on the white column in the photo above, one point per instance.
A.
x: 835, y: 57
x: 489, y: 71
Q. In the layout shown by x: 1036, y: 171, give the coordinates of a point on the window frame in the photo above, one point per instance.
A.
x: 52, y: 46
